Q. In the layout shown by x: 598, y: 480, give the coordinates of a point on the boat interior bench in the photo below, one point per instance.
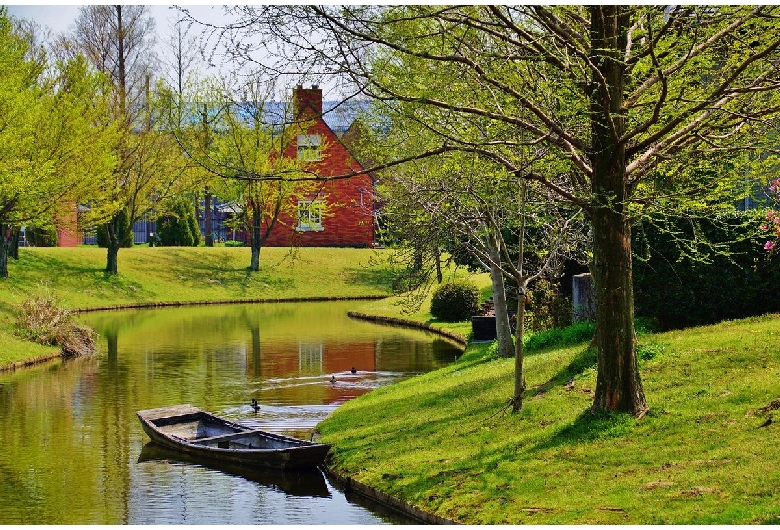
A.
x: 226, y: 437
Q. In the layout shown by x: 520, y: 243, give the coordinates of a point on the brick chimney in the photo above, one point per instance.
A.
x: 308, y: 100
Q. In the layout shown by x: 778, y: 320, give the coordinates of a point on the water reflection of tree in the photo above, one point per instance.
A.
x: 257, y: 365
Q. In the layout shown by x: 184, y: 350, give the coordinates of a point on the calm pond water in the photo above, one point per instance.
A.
x: 72, y: 450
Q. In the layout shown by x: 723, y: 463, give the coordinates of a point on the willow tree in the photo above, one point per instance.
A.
x: 623, y: 97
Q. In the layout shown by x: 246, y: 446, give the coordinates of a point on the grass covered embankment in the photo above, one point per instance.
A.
x: 705, y: 453
x: 76, y: 278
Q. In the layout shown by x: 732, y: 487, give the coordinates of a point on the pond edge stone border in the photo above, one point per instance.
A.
x: 393, y: 321
x: 351, y: 486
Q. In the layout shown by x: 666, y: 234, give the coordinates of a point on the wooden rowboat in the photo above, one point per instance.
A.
x: 200, y: 434
x: 303, y: 482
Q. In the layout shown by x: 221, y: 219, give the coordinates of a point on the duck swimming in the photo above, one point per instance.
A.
x: 255, y: 405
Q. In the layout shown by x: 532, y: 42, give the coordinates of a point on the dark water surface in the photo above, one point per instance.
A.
x: 72, y: 450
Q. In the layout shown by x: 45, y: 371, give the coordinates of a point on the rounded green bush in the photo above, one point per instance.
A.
x: 455, y: 301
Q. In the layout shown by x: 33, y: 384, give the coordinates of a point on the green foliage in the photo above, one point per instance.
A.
x: 560, y: 337
x: 179, y: 227
x: 550, y: 309
x: 43, y: 236
x: 455, y: 301
x: 122, y: 220
x: 230, y: 140
x: 646, y: 351
x: 691, y: 272
x: 53, y: 148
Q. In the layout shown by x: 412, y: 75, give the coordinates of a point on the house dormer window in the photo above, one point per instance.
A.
x: 309, y: 147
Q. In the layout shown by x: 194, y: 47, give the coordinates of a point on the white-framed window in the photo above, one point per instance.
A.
x: 310, y: 216
x: 309, y: 147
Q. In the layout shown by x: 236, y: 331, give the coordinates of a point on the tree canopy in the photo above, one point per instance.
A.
x: 118, y: 42
x: 54, y: 136
x: 624, y: 107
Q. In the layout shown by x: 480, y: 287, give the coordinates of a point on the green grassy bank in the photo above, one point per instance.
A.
x: 76, y: 278
x: 705, y: 453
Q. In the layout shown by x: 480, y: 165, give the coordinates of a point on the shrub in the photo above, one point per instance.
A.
x: 455, y: 301
x: 682, y: 285
x: 41, y: 321
x: 549, y: 307
x: 179, y: 228
x: 41, y: 236
x: 560, y: 337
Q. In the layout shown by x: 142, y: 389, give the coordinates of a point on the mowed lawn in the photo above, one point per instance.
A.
x: 705, y: 453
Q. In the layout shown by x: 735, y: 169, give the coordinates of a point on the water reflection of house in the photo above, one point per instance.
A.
x: 286, y: 359
x: 304, y: 369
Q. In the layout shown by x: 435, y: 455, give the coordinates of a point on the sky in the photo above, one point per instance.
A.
x: 59, y: 17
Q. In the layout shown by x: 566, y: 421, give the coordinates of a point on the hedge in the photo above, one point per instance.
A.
x: 682, y: 284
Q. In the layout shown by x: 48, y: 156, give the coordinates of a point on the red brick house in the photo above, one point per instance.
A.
x: 338, y: 212
x: 68, y: 234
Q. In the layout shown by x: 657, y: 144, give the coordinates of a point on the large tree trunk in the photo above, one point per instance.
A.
x: 506, y: 347
x: 6, y: 234
x: 112, y: 258
x: 116, y: 236
x: 15, y: 233
x: 618, y: 385
x: 257, y: 241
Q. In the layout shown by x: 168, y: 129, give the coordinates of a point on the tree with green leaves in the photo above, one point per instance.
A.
x: 471, y: 207
x: 119, y: 42
x: 625, y: 102
x: 54, y: 137
x: 225, y: 132
x: 182, y: 60
x: 517, y: 239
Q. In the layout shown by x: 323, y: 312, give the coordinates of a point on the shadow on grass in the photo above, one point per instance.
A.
x: 590, y: 426
x: 35, y: 261
x: 584, y: 360
x: 380, y: 278
x: 61, y: 272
